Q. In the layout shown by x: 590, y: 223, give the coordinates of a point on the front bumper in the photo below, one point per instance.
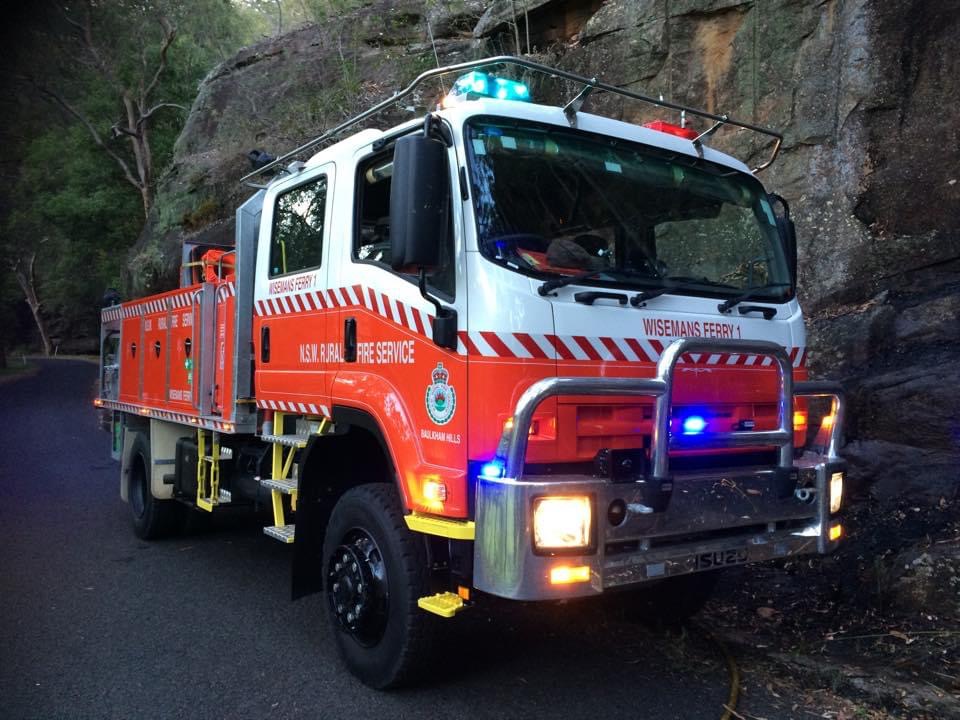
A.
x: 707, y: 520
x: 711, y: 522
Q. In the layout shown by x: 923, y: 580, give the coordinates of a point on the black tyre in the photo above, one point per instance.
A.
x: 669, y: 602
x: 375, y: 570
x: 152, y: 518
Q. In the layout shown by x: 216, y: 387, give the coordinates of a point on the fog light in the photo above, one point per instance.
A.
x: 836, y: 492
x: 561, y: 522
x: 564, y: 574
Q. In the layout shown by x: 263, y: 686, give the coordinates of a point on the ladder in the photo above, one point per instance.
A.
x: 284, y: 479
x: 209, y: 492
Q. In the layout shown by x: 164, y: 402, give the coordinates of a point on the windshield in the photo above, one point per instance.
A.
x: 552, y: 203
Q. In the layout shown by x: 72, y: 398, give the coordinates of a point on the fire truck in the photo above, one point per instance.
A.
x: 506, y: 349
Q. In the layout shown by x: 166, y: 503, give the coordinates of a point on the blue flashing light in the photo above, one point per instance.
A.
x: 694, y: 425
x: 480, y: 84
x: 492, y: 470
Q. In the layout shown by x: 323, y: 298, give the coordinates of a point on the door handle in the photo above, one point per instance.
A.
x: 350, y: 340
x: 264, y: 344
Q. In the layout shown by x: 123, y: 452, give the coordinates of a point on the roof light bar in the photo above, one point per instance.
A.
x: 671, y: 129
x: 477, y: 84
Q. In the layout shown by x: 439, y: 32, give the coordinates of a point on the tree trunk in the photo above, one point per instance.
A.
x: 28, y: 283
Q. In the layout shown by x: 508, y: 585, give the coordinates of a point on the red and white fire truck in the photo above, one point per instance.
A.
x: 508, y: 349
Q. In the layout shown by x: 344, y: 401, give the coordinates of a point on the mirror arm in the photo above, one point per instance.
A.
x: 444, y: 326
x: 434, y: 127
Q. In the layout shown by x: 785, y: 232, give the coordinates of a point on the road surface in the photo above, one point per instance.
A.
x: 95, y: 623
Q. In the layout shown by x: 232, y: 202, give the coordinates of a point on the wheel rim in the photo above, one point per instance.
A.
x: 357, y: 587
x: 138, y: 490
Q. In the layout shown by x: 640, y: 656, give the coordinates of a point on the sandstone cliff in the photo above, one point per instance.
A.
x: 865, y: 92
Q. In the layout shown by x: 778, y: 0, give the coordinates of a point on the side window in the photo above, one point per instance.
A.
x: 297, y: 242
x: 372, y: 241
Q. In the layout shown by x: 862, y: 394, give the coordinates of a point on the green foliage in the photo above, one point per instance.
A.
x: 201, y: 215
x: 71, y: 206
x: 73, y: 211
x: 321, y: 11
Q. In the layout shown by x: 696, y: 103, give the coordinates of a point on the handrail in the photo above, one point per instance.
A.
x: 530, y: 65
x: 660, y: 388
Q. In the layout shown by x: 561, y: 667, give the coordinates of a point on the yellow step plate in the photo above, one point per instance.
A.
x: 445, y: 604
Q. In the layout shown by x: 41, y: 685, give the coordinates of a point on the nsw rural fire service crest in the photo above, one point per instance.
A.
x: 441, y: 397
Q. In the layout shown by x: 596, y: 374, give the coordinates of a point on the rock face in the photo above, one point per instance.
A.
x: 865, y: 91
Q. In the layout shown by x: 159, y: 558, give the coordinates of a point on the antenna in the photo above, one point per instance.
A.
x: 436, y: 57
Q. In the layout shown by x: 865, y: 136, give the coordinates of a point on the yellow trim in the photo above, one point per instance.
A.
x: 202, y: 500
x: 444, y: 527
x: 279, y: 472
x: 445, y: 604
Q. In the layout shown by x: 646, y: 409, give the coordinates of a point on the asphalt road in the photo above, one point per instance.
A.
x: 95, y: 623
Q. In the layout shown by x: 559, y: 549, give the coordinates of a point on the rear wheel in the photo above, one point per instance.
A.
x: 152, y: 518
x: 375, y: 570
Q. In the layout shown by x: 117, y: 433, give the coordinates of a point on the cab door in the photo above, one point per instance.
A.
x: 294, y: 357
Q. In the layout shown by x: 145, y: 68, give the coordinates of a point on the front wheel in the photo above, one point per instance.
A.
x: 375, y: 570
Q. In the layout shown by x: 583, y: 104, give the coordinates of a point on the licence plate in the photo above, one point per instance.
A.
x: 721, y: 558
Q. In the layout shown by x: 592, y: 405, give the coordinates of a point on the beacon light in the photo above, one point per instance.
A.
x: 492, y: 470
x: 476, y: 84
x: 671, y: 129
x: 694, y: 425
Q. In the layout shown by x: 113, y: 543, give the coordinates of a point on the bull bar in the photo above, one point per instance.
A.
x: 670, y: 532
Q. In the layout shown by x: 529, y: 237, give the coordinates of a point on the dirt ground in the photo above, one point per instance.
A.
x: 877, y: 622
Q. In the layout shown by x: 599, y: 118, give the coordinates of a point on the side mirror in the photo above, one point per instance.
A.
x: 419, y: 222
x: 419, y: 202
x: 788, y: 233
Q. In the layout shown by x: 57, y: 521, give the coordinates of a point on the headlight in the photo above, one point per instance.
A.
x: 561, y: 522
x: 836, y: 491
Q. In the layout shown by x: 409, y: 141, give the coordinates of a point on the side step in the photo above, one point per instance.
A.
x: 283, y: 533
x: 288, y: 486
x: 297, y: 441
x: 445, y: 604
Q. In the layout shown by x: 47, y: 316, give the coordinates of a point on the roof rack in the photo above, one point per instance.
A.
x: 590, y: 85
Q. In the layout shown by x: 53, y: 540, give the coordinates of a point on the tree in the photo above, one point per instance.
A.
x: 80, y: 167
x: 23, y: 271
x: 124, y: 51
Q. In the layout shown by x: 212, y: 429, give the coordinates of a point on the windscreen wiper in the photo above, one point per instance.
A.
x: 685, y: 284
x: 548, y: 286
x: 728, y: 305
